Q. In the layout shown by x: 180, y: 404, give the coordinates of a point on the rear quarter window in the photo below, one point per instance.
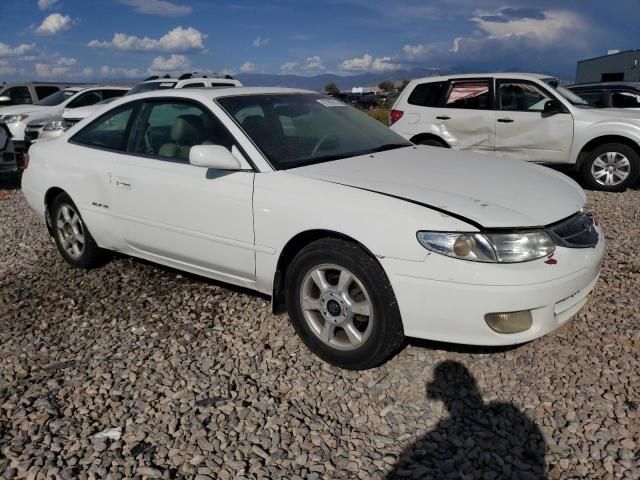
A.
x: 427, y: 94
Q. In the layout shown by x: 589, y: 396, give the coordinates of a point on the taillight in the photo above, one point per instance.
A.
x: 395, y: 116
x: 25, y: 160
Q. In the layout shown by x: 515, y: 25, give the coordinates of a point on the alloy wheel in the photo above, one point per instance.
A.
x: 70, y: 231
x: 610, y: 169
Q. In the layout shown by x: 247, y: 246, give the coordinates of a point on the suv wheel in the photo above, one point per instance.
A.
x: 342, y: 306
x: 75, y: 243
x: 611, y: 167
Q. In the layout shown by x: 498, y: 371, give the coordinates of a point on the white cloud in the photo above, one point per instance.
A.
x: 61, y: 67
x: 172, y: 64
x: 247, y: 67
x: 54, y: 23
x: 6, y: 69
x: 158, y: 7
x: 417, y: 52
x: 368, y: 63
x: 261, y: 42
x: 289, y: 67
x: 68, y: 62
x: 314, y: 64
x: 7, y: 51
x: 178, y: 40
x: 46, y: 4
x: 120, y: 72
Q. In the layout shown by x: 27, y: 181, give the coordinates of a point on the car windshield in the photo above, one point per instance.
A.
x: 150, y: 86
x: 57, y: 98
x: 568, y: 95
x: 293, y: 130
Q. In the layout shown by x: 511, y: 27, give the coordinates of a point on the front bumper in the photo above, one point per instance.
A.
x: 447, y: 299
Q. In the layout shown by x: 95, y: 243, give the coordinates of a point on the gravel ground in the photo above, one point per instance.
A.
x: 199, y: 380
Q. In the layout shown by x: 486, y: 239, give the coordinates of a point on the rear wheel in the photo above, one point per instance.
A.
x: 342, y: 306
x: 611, y: 167
x: 75, y: 243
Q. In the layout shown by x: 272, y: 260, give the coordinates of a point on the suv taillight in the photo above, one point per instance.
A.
x: 25, y: 160
x: 395, y: 116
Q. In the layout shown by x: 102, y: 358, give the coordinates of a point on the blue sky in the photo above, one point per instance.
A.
x: 101, y: 39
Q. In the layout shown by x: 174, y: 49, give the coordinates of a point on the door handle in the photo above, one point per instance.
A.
x: 443, y: 117
x: 123, y: 182
x: 505, y: 120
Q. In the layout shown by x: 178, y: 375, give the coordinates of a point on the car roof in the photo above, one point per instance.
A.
x: 212, y: 93
x: 635, y: 85
x: 95, y: 87
x: 513, y: 75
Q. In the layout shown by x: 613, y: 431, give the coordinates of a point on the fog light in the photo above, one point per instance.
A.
x: 509, y: 322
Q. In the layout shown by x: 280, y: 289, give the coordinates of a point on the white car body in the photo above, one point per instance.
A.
x: 531, y: 135
x: 234, y: 226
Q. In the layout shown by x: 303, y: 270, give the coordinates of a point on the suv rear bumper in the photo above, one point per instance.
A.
x: 12, y: 157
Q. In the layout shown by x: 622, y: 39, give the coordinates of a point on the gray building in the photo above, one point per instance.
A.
x: 616, y: 67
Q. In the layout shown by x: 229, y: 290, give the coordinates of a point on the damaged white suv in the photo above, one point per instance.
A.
x: 526, y: 117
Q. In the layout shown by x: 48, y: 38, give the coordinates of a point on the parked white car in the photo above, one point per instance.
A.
x: 522, y: 116
x: 361, y: 236
x: 45, y: 114
x: 153, y: 83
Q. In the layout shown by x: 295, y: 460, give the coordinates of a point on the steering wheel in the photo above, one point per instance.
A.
x: 322, y: 140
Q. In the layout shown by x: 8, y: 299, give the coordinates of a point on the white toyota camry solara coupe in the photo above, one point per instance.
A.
x: 360, y: 236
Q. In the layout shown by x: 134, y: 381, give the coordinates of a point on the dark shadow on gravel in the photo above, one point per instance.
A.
x: 477, y: 440
x: 460, y: 348
x: 9, y: 182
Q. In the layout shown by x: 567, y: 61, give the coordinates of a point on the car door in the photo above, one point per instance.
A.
x: 100, y: 148
x: 524, y: 130
x: 465, y: 117
x: 180, y: 214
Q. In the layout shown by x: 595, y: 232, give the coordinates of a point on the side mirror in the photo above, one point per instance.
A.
x: 5, y: 99
x: 213, y: 156
x: 553, y: 106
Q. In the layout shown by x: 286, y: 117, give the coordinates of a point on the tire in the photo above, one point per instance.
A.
x: 432, y: 142
x: 74, y: 242
x: 619, y: 159
x: 360, y: 321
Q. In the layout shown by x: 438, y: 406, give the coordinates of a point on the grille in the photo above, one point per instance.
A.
x: 578, y: 231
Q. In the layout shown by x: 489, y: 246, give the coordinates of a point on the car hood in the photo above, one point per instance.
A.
x: 24, y: 109
x: 615, y: 114
x: 489, y: 192
x: 82, y: 112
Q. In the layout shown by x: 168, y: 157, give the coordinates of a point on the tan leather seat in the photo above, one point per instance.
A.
x: 186, y: 131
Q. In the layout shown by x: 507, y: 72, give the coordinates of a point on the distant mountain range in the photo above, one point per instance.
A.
x: 318, y: 82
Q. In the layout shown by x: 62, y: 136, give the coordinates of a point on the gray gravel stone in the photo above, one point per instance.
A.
x: 205, y: 382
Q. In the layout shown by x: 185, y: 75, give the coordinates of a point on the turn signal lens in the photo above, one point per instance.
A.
x: 25, y: 160
x: 509, y: 322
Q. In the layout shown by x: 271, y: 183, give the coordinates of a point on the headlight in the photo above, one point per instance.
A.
x: 55, y: 125
x: 499, y: 247
x: 13, y: 118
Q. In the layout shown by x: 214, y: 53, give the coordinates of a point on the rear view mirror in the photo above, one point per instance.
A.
x: 4, y: 99
x: 553, y: 106
x: 213, y: 156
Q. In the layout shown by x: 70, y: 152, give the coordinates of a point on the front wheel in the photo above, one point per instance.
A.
x: 611, y: 167
x: 75, y: 243
x: 342, y: 306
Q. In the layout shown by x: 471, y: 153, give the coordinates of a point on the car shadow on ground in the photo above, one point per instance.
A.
x: 477, y: 440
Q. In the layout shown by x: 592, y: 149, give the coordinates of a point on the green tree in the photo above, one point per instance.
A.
x: 331, y: 89
x: 387, y: 86
x: 404, y: 84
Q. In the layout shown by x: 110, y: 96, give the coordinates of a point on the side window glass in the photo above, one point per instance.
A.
x: 470, y: 95
x: 107, y: 94
x: 18, y: 96
x: 169, y: 130
x: 108, y: 131
x: 45, y: 91
x: 625, y: 100
x: 427, y: 94
x: 85, y: 99
x: 194, y: 85
x: 594, y: 98
x: 522, y: 97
